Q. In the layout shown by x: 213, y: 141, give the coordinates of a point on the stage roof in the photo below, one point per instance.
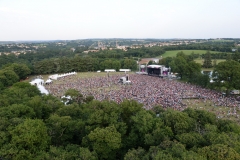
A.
x: 155, y: 66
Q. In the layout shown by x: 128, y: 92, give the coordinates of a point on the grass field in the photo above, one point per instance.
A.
x: 187, y: 52
x: 207, y: 69
x: 201, y: 61
x: 83, y: 75
x: 221, y: 40
x: 220, y: 111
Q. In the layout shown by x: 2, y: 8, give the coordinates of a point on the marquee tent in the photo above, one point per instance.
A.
x: 56, y: 76
x: 48, y: 81
x: 37, y: 82
x: 110, y: 70
x: 42, y: 89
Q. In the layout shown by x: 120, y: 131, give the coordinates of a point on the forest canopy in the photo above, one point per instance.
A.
x: 35, y: 126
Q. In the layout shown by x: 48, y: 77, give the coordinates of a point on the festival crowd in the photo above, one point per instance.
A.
x: 148, y: 90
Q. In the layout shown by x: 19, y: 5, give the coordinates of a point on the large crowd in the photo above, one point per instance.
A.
x: 148, y: 90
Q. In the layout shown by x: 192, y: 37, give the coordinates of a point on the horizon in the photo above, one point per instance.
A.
x: 75, y: 20
x: 118, y: 39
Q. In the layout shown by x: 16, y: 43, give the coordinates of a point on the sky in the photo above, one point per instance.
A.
x: 86, y: 19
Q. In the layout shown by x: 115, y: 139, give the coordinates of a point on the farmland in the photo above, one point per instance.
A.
x: 187, y: 52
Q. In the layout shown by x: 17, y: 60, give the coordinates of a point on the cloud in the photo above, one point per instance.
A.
x: 12, y: 10
x: 17, y: 12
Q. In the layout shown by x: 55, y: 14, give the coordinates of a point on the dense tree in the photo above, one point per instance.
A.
x: 3, y: 80
x: 27, y: 140
x: 200, y: 79
x: 22, y: 70
x: 136, y: 154
x: 129, y: 64
x: 193, y: 69
x: 20, y: 92
x: 173, y: 134
x: 207, y: 62
x: 229, y: 57
x: 17, y: 110
x: 219, y: 152
x: 179, y: 122
x: 229, y: 73
x: 180, y: 66
x: 165, y: 61
x: 110, y: 64
x: 105, y: 141
x: 8, y: 77
x: 75, y: 96
x: 157, y: 134
x: 35, y: 126
x: 236, y: 56
x: 191, y: 139
x: 58, y: 129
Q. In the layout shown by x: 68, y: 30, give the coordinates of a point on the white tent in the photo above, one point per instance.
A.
x: 123, y: 80
x: 125, y: 70
x: 155, y: 66
x: 55, y: 77
x: 66, y: 99
x: 37, y: 82
x: 42, y: 89
x: 48, y: 81
x: 110, y: 70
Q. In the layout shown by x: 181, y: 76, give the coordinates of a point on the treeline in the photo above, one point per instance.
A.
x: 42, y: 54
x: 226, y: 74
x: 187, y: 69
x: 220, y: 55
x: 13, y: 73
x: 146, y: 52
x: 81, y: 64
x: 211, y: 46
x: 34, y: 126
x: 234, y: 55
x: 56, y: 54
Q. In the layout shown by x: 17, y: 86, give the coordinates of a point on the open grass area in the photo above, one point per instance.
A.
x: 221, y: 40
x: 82, y: 75
x: 187, y: 52
x: 100, y: 74
x: 201, y: 60
x: 207, y: 69
x: 220, y: 111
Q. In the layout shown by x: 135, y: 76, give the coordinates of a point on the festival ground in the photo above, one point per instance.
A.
x: 225, y: 112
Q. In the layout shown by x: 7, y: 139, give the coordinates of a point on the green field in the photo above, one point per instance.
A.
x: 220, y: 111
x: 221, y: 40
x: 83, y: 75
x: 201, y: 60
x: 187, y: 52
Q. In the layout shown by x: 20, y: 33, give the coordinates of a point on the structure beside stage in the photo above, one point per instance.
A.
x: 158, y: 70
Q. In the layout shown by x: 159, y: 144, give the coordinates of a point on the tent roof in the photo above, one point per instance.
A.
x: 155, y: 66
x: 42, y: 89
x: 48, y: 81
x: 37, y: 80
